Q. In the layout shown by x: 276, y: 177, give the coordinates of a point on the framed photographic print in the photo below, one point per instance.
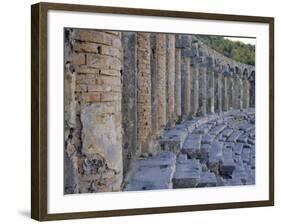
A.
x: 139, y: 111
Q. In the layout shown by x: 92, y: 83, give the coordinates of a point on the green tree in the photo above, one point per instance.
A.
x: 236, y: 50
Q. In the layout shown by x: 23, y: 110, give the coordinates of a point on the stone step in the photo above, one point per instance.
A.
x: 228, y: 165
x: 187, y: 173
x: 164, y: 158
x: 207, y: 179
x: 227, y: 132
x: 172, y: 140
x: 243, y: 138
x: 207, y: 139
x: 201, y: 152
x: 155, y: 172
x: 237, y: 148
x: 151, y: 178
x: 251, y: 176
x: 215, y: 156
x: 203, y: 129
x: 192, y: 145
x: 234, y: 136
x: 245, y: 154
x: 237, y: 151
x: 239, y: 176
x: 218, y: 129
x: 246, y: 127
x: 251, y: 141
x: 204, y: 152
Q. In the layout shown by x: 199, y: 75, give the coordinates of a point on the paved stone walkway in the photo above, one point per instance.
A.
x: 217, y: 150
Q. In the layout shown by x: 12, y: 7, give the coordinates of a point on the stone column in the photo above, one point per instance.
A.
x: 154, y: 83
x: 129, y: 97
x: 97, y: 62
x: 246, y: 93
x: 171, y: 77
x: 186, y: 76
x: 144, y: 90
x: 218, y: 89
x: 195, y: 89
x: 225, y: 94
x: 230, y: 92
x: 195, y: 75
x: 72, y: 124
x: 235, y: 92
x: 178, y: 77
x: 202, y: 89
x: 211, y: 85
x: 240, y: 92
x: 158, y: 72
x: 252, y: 89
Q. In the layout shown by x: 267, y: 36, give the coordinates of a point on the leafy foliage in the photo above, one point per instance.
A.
x: 236, y: 50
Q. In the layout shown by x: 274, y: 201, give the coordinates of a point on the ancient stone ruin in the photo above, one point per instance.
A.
x: 154, y: 111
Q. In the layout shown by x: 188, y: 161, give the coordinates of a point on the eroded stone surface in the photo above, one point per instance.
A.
x: 153, y: 173
x: 204, y: 159
x: 187, y: 173
x: 173, y: 139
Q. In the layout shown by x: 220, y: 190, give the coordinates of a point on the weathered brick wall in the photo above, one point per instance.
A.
x: 96, y: 61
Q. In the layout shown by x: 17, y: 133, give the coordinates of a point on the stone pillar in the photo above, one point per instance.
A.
x: 195, y: 75
x: 235, y: 92
x: 252, y: 89
x: 178, y: 77
x: 171, y: 77
x: 240, y: 92
x: 218, y: 90
x: 129, y: 97
x: 246, y: 92
x: 231, y: 92
x: 186, y: 76
x: 202, y: 89
x: 211, y: 85
x: 143, y: 90
x: 72, y: 124
x: 195, y: 89
x: 154, y: 83
x: 225, y: 94
x: 158, y: 73
x: 97, y: 62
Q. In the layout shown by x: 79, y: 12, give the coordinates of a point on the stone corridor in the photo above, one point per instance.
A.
x: 153, y: 110
x: 218, y: 150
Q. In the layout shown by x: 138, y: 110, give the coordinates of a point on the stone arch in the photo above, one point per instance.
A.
x: 229, y: 68
x: 238, y: 70
x: 245, y: 72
